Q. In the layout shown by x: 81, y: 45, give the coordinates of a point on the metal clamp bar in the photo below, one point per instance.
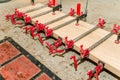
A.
x: 61, y: 25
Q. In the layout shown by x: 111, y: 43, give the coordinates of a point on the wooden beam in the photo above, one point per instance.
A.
x: 48, y: 17
x: 31, y: 8
x: 109, y: 53
x: 38, y: 12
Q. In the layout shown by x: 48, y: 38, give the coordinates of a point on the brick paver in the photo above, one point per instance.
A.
x: 7, y: 52
x: 19, y: 69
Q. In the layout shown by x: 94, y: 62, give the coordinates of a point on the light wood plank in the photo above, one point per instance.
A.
x: 31, y: 7
x: 71, y: 30
x: 90, y: 39
x: 109, y: 53
x: 62, y: 21
x: 48, y: 17
x: 37, y: 12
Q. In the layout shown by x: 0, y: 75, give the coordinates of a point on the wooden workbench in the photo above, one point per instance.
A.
x: 108, y: 51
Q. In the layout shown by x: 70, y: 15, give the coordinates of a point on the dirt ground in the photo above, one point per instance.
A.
x: 107, y: 9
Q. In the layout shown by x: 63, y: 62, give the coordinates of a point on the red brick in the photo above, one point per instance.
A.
x: 43, y: 76
x: 19, y: 69
x: 7, y: 51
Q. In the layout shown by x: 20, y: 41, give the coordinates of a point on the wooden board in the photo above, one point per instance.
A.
x: 48, y: 17
x: 62, y: 21
x: 90, y: 39
x: 37, y: 12
x: 30, y: 8
x: 109, y: 53
x: 71, y: 30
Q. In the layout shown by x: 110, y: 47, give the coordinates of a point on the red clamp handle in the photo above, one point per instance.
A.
x: 58, y: 43
x: 72, y: 12
x: 48, y: 32
x: 84, y: 52
x: 95, y: 73
x: 68, y: 43
x: 75, y: 61
x: 101, y: 23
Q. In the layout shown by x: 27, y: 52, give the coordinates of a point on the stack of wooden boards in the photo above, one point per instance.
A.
x: 107, y: 52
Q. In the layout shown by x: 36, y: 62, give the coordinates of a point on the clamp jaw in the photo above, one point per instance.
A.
x: 68, y: 43
x: 84, y: 52
x: 72, y: 12
x: 80, y: 17
x: 27, y: 19
x: 48, y: 31
x: 116, y: 30
x: 58, y: 7
x: 39, y: 26
x: 101, y: 23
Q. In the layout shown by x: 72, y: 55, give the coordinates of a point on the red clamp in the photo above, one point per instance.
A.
x: 95, y: 73
x: 72, y: 12
x: 48, y: 32
x: 13, y: 20
x: 101, y: 23
x: 84, y: 52
x: 18, y: 14
x: 27, y: 19
x: 26, y: 28
x: 115, y: 29
x: 39, y: 26
x: 68, y: 43
x: 32, y: 28
x: 75, y: 61
x: 53, y: 49
x: 58, y: 43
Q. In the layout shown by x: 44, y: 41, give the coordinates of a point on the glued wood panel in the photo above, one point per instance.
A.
x: 91, y: 38
x: 31, y: 7
x: 72, y: 31
x: 109, y: 53
x: 48, y: 17
x: 37, y: 12
x: 62, y: 21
